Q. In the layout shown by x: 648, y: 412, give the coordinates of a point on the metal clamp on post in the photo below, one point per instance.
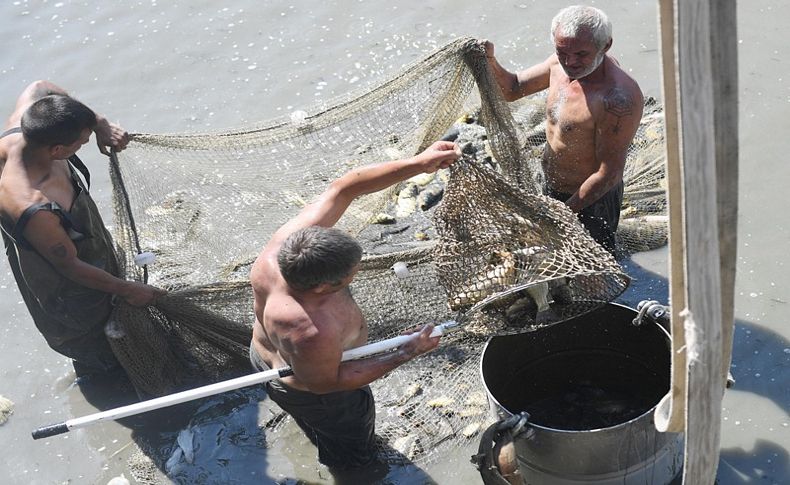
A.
x: 653, y: 309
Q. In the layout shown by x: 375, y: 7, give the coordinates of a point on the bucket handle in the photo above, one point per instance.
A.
x: 485, y: 461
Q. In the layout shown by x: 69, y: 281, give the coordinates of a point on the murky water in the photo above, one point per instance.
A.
x: 202, y: 65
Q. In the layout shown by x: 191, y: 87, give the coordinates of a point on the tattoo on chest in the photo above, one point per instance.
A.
x: 619, y: 103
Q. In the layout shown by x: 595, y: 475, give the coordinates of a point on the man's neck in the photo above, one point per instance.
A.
x: 37, y: 162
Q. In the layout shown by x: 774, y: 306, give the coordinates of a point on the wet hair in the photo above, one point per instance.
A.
x: 316, y: 255
x: 56, y: 120
x: 571, y: 20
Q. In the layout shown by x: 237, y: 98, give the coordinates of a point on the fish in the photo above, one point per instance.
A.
x: 409, y: 446
x: 470, y: 430
x: 185, y: 441
x: 407, y: 200
x: 501, y: 271
x: 382, y: 218
x: 440, y: 402
x: 422, y: 179
x: 430, y: 196
x: 6, y: 409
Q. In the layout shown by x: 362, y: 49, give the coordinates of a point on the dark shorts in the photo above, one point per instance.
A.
x: 600, y: 218
x: 339, y: 424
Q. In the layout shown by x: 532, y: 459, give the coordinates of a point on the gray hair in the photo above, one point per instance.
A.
x: 570, y: 20
x: 315, y: 255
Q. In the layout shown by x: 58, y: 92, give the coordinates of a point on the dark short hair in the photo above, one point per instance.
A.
x: 56, y: 120
x: 316, y: 255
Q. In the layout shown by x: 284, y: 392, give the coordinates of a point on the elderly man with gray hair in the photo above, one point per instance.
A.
x: 593, y: 109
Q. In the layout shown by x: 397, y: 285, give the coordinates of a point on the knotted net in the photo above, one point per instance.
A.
x: 494, y: 253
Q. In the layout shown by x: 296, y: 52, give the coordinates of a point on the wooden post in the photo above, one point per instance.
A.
x: 671, y: 413
x: 724, y: 52
x: 699, y: 63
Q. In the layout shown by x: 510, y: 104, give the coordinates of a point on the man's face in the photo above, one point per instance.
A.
x: 578, y: 56
x: 344, y: 283
x: 65, y: 151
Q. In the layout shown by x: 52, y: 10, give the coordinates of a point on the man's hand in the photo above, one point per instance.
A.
x: 440, y: 154
x: 421, y: 343
x: 110, y: 135
x: 140, y: 294
x: 489, y: 48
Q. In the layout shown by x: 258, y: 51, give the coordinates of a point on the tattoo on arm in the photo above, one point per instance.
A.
x: 619, y: 103
x: 59, y: 251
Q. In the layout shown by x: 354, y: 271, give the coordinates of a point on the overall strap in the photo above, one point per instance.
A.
x: 75, y: 161
x: 11, y: 131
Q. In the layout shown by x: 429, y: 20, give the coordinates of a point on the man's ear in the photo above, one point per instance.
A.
x: 608, y: 45
x: 56, y: 152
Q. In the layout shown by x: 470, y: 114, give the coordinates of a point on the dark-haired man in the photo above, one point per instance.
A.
x: 593, y: 109
x: 306, y: 317
x: 62, y: 256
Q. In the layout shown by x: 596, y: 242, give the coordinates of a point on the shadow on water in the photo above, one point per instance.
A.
x: 211, y: 440
x: 760, y: 365
x: 234, y: 437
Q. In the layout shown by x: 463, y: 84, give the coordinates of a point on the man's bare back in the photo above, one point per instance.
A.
x: 309, y: 327
x: 284, y: 320
x: 305, y: 316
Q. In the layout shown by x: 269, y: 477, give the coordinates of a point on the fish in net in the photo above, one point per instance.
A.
x: 493, y: 254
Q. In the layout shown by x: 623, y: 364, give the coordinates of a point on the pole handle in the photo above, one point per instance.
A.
x: 51, y: 430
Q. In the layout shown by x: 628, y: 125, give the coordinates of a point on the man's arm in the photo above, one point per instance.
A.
x: 32, y: 93
x: 45, y: 234
x: 622, y: 112
x: 330, y: 205
x: 526, y: 82
x: 315, y: 360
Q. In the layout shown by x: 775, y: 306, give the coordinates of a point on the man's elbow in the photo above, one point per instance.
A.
x: 512, y: 91
x: 40, y: 88
x: 68, y: 265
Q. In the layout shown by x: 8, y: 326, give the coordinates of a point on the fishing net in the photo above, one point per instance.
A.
x: 493, y: 254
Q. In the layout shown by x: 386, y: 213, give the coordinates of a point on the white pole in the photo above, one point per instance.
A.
x: 219, y: 387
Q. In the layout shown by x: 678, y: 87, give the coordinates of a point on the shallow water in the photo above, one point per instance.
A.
x: 199, y: 65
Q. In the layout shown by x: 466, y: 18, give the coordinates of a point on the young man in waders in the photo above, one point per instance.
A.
x: 306, y: 317
x: 593, y: 110
x: 62, y: 256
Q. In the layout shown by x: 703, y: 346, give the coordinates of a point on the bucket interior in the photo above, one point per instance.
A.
x: 595, y: 371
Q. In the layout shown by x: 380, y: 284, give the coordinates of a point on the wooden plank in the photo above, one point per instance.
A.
x: 671, y: 414
x: 703, y: 315
x: 724, y: 52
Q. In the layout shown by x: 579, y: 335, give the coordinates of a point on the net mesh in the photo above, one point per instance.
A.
x: 493, y: 253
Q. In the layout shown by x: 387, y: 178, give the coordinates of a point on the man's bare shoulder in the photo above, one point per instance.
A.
x: 261, y: 277
x: 279, y: 307
x: 619, y: 79
x: 16, y: 192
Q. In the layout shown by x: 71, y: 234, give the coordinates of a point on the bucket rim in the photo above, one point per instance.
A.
x: 650, y: 411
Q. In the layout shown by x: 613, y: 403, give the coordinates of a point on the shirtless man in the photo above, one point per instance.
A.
x: 306, y: 317
x: 62, y: 256
x: 593, y: 109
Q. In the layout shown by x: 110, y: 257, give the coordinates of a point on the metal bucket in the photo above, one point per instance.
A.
x: 590, y: 386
